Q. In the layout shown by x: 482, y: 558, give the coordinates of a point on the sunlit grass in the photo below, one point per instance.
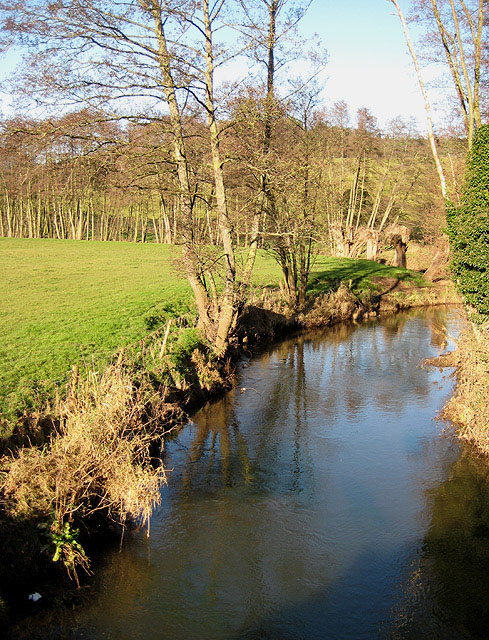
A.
x: 67, y: 302
x: 360, y: 275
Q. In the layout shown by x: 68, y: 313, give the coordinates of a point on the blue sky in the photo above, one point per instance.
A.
x: 369, y: 64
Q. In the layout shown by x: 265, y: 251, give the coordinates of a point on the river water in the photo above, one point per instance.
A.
x: 319, y: 499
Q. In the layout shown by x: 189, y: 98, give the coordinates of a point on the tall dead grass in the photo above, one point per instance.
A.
x: 333, y: 307
x: 98, y: 461
x: 469, y: 406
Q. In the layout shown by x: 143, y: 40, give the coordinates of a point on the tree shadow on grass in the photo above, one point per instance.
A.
x: 358, y: 274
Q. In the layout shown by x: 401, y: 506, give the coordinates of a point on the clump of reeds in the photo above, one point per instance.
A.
x: 97, y: 461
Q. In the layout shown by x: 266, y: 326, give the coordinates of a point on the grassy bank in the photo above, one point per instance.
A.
x: 65, y: 303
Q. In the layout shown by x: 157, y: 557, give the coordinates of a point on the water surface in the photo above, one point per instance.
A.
x: 317, y: 500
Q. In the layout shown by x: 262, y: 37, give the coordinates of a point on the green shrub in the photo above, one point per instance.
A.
x: 468, y: 227
x: 181, y: 352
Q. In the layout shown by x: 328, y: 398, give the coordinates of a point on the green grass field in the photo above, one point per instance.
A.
x: 69, y: 302
x: 360, y: 275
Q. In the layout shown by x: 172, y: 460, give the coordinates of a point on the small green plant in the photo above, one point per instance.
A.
x: 67, y: 547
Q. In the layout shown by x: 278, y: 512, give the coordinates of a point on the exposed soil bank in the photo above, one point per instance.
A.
x: 31, y: 537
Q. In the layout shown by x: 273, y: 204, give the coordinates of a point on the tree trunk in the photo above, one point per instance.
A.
x: 228, y: 307
x: 427, y: 105
x: 372, y: 244
x: 190, y: 260
x: 400, y: 248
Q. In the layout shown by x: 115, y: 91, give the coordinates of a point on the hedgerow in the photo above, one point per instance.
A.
x: 468, y: 227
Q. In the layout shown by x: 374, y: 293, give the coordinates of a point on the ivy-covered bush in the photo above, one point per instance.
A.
x: 468, y: 227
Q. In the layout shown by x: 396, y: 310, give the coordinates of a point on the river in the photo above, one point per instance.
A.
x: 319, y: 499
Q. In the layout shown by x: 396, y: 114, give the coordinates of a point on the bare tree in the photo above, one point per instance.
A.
x: 427, y: 104
x: 270, y: 26
x: 456, y: 30
x: 228, y: 306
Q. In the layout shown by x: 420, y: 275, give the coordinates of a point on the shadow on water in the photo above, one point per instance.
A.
x: 453, y: 568
x: 444, y: 594
x: 328, y: 614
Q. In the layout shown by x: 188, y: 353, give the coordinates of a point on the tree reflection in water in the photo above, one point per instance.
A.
x: 217, y: 436
x: 264, y: 424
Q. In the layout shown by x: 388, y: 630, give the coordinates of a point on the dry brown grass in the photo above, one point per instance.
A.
x: 469, y: 407
x: 97, y: 461
x: 333, y: 307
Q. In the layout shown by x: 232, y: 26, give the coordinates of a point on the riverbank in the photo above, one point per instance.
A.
x: 66, y: 303
x: 54, y: 508
x: 468, y: 408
